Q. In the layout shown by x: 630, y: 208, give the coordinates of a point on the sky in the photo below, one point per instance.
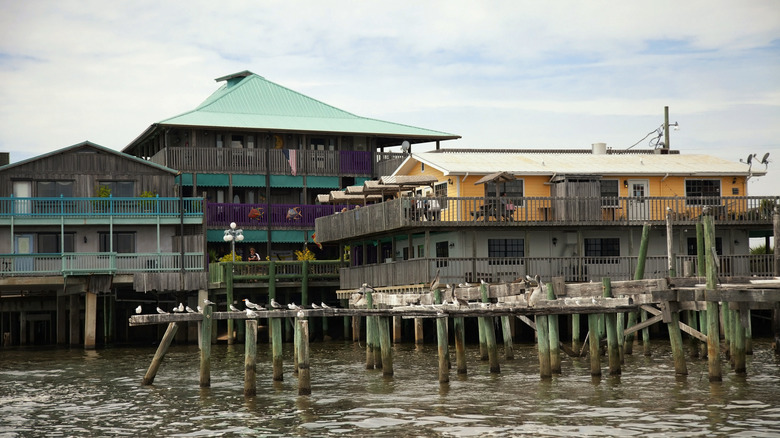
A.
x: 501, y: 74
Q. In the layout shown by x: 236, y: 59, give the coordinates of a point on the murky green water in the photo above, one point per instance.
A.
x: 71, y: 392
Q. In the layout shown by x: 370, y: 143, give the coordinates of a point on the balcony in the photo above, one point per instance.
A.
x: 43, y: 211
x: 294, y: 216
x: 27, y: 265
x: 572, y: 269
x: 405, y: 213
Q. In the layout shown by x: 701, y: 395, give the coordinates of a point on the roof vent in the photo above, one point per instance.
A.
x: 4, y: 158
x: 599, y: 148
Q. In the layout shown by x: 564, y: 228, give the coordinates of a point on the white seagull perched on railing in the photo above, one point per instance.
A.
x: 138, y: 309
x: 189, y: 309
x: 275, y: 304
x: 206, y: 302
x: 324, y: 306
x: 293, y: 306
x: 251, y: 313
x: 234, y: 308
x: 161, y: 311
x: 251, y: 305
x: 537, y: 293
x: 300, y: 313
x: 315, y: 306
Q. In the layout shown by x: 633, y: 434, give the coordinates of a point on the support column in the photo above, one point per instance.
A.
x: 75, y: 318
x: 675, y: 339
x: 202, y: 296
x: 22, y: 328
x: 304, y: 374
x: 205, y: 347
x: 460, y: 344
x: 543, y: 345
x: 397, y: 322
x: 575, y: 332
x: 418, y: 331
x: 443, y: 348
x: 90, y: 320
x: 555, y: 349
x: 250, y: 358
x: 739, y: 340
x: 713, y: 332
x: 386, y: 346
x: 509, y: 352
x: 612, y: 340
x: 62, y: 320
x: 151, y: 373
x: 639, y: 273
x: 276, y: 348
x: 593, y: 343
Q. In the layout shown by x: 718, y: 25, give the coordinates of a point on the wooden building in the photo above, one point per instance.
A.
x: 578, y: 214
x: 85, y: 223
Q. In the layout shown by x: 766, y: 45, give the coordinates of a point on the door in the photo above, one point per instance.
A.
x: 22, y: 189
x: 638, y: 206
x: 23, y: 244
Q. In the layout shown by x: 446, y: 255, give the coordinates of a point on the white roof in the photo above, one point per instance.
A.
x: 453, y: 162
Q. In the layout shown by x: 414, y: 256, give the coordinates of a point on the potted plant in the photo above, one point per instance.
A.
x: 147, y: 206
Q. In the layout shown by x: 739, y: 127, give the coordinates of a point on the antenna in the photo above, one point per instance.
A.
x: 406, y: 147
x: 765, y: 160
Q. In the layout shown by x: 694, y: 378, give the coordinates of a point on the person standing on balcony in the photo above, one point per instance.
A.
x: 433, y: 209
x: 253, y: 256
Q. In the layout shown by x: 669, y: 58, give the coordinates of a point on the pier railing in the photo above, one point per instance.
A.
x: 132, y: 208
x: 540, y: 211
x: 84, y: 263
x: 572, y: 269
x: 281, y: 270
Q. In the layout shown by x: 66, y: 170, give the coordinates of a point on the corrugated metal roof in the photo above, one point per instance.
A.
x: 250, y: 101
x: 521, y: 163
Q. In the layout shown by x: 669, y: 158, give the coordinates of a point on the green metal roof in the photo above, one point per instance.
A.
x: 249, y: 101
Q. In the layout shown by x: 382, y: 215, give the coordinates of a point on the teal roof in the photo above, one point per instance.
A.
x: 249, y: 101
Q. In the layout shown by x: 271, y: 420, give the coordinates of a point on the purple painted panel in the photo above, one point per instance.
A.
x: 355, y: 162
x: 280, y: 215
x: 224, y: 214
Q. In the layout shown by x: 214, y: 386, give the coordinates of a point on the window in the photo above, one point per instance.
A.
x: 609, y: 192
x: 124, y: 242
x: 50, y: 243
x: 602, y: 248
x: 237, y: 141
x: 120, y: 189
x: 693, y: 250
x: 506, y: 248
x: 513, y: 190
x: 420, y: 251
x: 702, y: 192
x: 440, y: 190
x: 54, y: 189
x: 442, y: 251
x: 405, y: 252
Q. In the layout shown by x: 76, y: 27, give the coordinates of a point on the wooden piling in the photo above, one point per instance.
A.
x: 160, y: 353
x: 483, y: 353
x: 703, y: 330
x: 229, y: 297
x: 554, y: 337
x: 612, y: 339
x: 693, y: 343
x: 304, y: 374
x: 460, y: 344
x: 675, y: 339
x: 205, y: 347
x: 296, y: 343
x: 506, y: 331
x: 276, y: 348
x: 355, y: 329
x: 386, y: 346
x: 490, y: 333
x: 670, y: 256
x: 418, y: 331
x: 443, y: 348
x: 369, y: 333
x: 397, y: 324
x: 575, y: 332
x: 639, y: 274
x: 713, y: 333
x: 739, y: 341
x: 250, y: 358
x: 304, y: 283
x: 593, y: 343
x: 543, y: 345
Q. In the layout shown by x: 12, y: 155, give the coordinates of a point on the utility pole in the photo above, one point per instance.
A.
x: 666, y: 128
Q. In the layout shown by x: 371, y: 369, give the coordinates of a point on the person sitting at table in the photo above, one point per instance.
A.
x: 253, y: 256
x: 433, y: 208
x: 507, y: 208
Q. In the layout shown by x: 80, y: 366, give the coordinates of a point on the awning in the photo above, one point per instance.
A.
x: 261, y: 236
x: 248, y: 180
x: 322, y: 182
x: 498, y: 177
x: 185, y: 179
x: 212, y: 180
x: 286, y: 181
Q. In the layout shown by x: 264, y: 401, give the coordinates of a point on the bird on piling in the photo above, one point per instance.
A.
x: 324, y: 306
x: 536, y: 295
x: 251, y: 313
x: 206, y: 302
x: 275, y: 304
x: 181, y: 308
x: 300, y: 313
x: 234, y: 308
x: 200, y: 309
x: 435, y: 282
x: 176, y: 309
x: 315, y: 306
x: 138, y: 309
x: 293, y: 306
x: 251, y: 305
x: 161, y: 311
x: 189, y: 309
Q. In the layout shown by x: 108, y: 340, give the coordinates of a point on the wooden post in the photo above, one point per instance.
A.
x: 276, y: 348
x: 90, y: 320
x: 272, y: 295
x: 639, y: 273
x: 620, y: 326
x: 612, y: 341
x: 418, y: 331
x: 506, y: 330
x: 443, y: 348
x: 543, y: 345
x: 460, y: 344
x: 552, y: 322
x: 205, y: 347
x: 575, y: 332
x: 645, y: 335
x: 703, y: 330
x: 229, y: 297
x: 296, y: 344
x: 74, y: 317
x: 250, y: 358
x: 369, y: 333
x: 701, y: 262
x: 304, y: 283
x: 304, y: 375
x: 386, y: 346
x: 693, y: 321
x: 375, y: 330
x: 675, y: 339
x: 670, y: 245
x: 160, y: 354
x: 356, y: 329
x: 739, y: 340
x: 483, y: 351
x: 713, y: 333
x: 490, y: 333
x: 397, y: 323
x: 593, y: 342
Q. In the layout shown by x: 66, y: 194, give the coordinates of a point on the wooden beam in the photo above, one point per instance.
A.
x: 643, y: 324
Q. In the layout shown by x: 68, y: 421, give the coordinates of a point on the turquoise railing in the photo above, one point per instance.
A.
x: 85, y: 207
x: 97, y: 263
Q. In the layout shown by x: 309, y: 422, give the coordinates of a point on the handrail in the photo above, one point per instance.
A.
x: 71, y: 263
x: 110, y: 206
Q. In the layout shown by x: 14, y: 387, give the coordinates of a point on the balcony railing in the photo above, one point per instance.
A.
x: 262, y: 215
x: 98, y: 207
x: 573, y: 269
x: 25, y: 265
x: 540, y: 211
x: 280, y: 162
x: 283, y: 270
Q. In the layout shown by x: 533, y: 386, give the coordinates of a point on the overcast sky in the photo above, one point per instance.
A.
x: 534, y: 74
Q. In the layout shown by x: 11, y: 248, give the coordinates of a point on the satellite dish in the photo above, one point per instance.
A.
x: 750, y: 159
x: 765, y: 160
x: 406, y: 147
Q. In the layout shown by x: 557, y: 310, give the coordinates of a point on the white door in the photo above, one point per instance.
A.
x: 23, y: 244
x: 22, y: 189
x: 638, y: 206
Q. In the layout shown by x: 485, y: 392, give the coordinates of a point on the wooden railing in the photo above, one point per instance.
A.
x: 282, y: 270
x: 542, y: 211
x: 573, y: 269
x: 25, y: 265
x: 92, y: 207
x: 263, y: 215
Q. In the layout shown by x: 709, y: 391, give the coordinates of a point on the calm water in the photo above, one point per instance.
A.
x: 71, y: 392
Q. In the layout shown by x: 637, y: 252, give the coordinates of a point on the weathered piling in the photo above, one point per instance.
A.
x: 703, y: 329
x: 386, y: 346
x: 356, y: 329
x: 675, y: 339
x: 397, y: 324
x: 543, y: 345
x: 418, y: 331
x: 670, y: 244
x: 575, y: 332
x: 205, y: 347
x: 369, y: 333
x: 739, y: 341
x: 639, y: 273
x: 645, y: 335
x: 506, y: 331
x: 612, y: 340
x: 443, y: 348
x: 229, y: 298
x: 483, y: 353
x: 170, y: 332
x: 593, y: 343
x: 250, y: 358
x: 693, y: 343
x: 304, y: 375
x: 460, y: 344
x: 276, y: 348
x: 490, y: 334
x: 554, y: 338
x: 296, y: 343
x: 713, y: 333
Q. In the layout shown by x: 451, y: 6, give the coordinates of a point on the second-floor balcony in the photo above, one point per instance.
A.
x: 88, y: 263
x: 264, y: 215
x: 97, y: 210
x: 277, y: 162
x: 408, y: 212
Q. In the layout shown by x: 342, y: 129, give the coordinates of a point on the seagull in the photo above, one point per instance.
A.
x: 234, y: 308
x: 315, y: 306
x: 181, y: 307
x: 368, y: 286
x: 300, y: 313
x: 293, y: 306
x: 324, y: 306
x: 275, y: 305
x: 435, y: 282
x: 252, y: 305
x: 536, y: 295
x: 251, y: 313
x: 161, y: 311
x: 482, y: 281
x: 200, y: 309
x: 189, y: 309
x: 206, y: 302
x: 460, y: 302
x: 176, y: 310
x: 138, y: 309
